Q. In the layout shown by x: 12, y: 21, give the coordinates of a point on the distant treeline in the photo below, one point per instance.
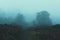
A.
x: 42, y: 18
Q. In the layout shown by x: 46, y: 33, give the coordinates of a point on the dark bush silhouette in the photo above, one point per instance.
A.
x: 45, y: 33
x: 14, y: 32
x: 10, y: 32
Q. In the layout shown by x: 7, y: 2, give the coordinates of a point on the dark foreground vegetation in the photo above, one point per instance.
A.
x: 14, y: 32
x: 10, y: 32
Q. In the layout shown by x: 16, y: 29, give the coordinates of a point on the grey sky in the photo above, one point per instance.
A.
x: 30, y: 7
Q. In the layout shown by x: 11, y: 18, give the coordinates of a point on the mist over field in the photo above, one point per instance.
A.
x: 29, y: 8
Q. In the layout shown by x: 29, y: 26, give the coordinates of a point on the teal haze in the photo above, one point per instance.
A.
x: 29, y: 8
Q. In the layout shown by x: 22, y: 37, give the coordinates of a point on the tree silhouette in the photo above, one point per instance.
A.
x: 19, y: 19
x: 43, y: 18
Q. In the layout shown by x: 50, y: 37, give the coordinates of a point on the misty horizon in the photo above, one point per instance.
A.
x: 29, y: 8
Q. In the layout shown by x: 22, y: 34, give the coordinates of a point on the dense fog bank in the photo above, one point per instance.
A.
x: 42, y: 18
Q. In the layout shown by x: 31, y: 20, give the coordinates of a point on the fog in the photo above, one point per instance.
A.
x: 29, y: 8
